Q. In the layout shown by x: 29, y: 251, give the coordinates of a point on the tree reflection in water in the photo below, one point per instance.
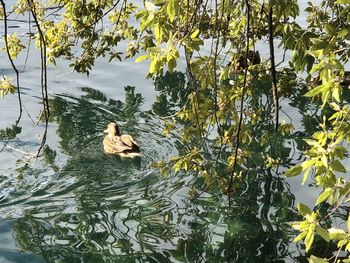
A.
x: 104, y: 208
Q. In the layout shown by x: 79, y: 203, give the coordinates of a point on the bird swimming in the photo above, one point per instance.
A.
x: 116, y: 143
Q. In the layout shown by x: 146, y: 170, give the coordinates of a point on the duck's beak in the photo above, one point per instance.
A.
x: 105, y: 131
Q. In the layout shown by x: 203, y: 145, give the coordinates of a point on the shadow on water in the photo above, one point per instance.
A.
x: 100, y: 208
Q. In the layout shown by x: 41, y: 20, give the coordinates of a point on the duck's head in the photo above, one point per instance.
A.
x: 112, y: 129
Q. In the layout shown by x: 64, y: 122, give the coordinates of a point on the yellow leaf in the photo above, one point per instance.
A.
x: 195, y: 34
x: 141, y: 58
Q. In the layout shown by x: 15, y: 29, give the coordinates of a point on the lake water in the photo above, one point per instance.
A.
x: 77, y: 204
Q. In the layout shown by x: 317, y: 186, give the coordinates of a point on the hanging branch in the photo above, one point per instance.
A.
x: 273, y: 69
x: 229, y: 188
x: 216, y: 53
x: 44, y: 93
x: 14, y: 68
x: 193, y: 84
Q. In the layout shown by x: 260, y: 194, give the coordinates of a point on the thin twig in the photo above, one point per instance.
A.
x: 45, y: 98
x: 273, y: 69
x: 29, y: 43
x: 14, y: 68
x: 229, y: 188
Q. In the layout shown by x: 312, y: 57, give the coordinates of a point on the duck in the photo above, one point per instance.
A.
x: 116, y: 143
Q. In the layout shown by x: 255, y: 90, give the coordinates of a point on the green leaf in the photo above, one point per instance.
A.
x: 141, y: 58
x: 342, y: 2
x: 336, y: 234
x: 155, y: 66
x: 314, y: 259
x: 294, y: 171
x: 330, y: 29
x: 343, y: 33
x: 338, y: 166
x: 171, y: 9
x: 324, y: 161
x: 301, y: 236
x: 347, y: 247
x: 323, y: 233
x: 319, y: 45
x: 159, y: 164
x: 309, y: 239
x: 340, y: 151
x: 336, y: 94
x: 306, y: 175
x: 308, y: 163
x: 324, y: 196
x: 303, y: 209
x: 314, y: 92
x: 158, y: 32
x: 171, y: 64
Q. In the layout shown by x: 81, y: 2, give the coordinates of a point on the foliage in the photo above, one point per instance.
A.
x: 6, y: 87
x: 214, y: 40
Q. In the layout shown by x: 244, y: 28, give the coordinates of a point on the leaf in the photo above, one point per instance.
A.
x: 336, y: 94
x: 347, y: 247
x: 171, y: 64
x: 308, y: 163
x: 171, y: 9
x: 314, y: 259
x: 343, y: 33
x: 311, y: 142
x: 323, y: 233
x: 338, y: 166
x: 306, y: 174
x: 324, y: 161
x: 340, y: 151
x: 141, y: 58
x: 303, y: 209
x: 324, y: 196
x: 301, y: 236
x: 149, y: 6
x: 330, y: 29
x: 294, y: 171
x: 319, y: 44
x: 334, y: 106
x: 336, y: 234
x: 316, y: 91
x: 159, y: 164
x: 309, y: 239
x: 195, y: 34
x: 155, y: 65
x: 158, y: 32
x: 6, y: 87
x: 342, y: 2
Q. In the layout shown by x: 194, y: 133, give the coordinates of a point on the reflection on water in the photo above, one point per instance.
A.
x: 81, y: 205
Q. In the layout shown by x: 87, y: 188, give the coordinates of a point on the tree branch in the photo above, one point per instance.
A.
x: 14, y: 68
x: 229, y: 188
x: 273, y: 69
x: 44, y: 93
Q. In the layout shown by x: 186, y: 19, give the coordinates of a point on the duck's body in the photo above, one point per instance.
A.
x: 115, y: 143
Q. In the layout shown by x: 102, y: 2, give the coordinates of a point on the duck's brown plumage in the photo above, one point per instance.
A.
x: 115, y: 143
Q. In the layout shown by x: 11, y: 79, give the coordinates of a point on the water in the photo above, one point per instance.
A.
x: 77, y: 204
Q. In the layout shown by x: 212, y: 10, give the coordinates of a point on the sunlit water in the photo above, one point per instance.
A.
x: 77, y: 204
